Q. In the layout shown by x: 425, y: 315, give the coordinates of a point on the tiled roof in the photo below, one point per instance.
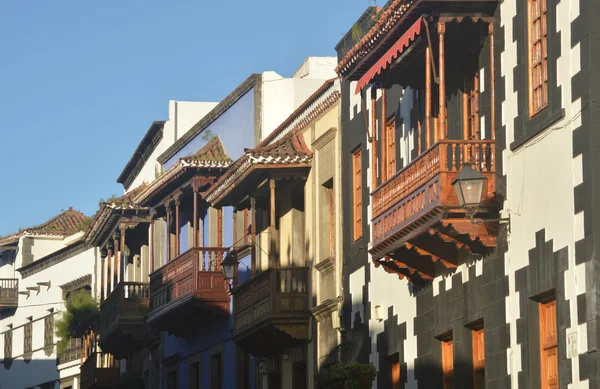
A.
x: 213, y: 153
x: 291, y: 149
x: 285, y: 145
x: 63, y: 224
x: 386, y: 20
x: 127, y: 200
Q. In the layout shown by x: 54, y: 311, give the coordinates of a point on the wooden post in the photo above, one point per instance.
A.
x: 384, y: 159
x: 109, y: 276
x: 419, y: 127
x: 492, y: 84
x: 374, y: 134
x: 116, y: 261
x: 272, y: 253
x: 442, y: 114
x: 168, y: 232
x: 253, y: 235
x: 195, y: 189
x: 103, y: 254
x: 428, y: 97
x: 151, y: 244
x: 122, y: 261
x: 219, y: 227
x: 177, y: 243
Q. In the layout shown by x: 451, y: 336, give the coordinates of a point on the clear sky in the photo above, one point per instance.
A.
x: 81, y: 81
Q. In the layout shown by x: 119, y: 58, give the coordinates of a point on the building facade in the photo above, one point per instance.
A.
x: 40, y: 267
x: 441, y: 295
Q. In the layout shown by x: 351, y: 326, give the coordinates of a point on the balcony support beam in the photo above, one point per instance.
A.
x: 195, y: 190
x: 151, y: 244
x: 428, y: 97
x: 492, y: 82
x: 253, y: 234
x: 109, y: 269
x: 116, y: 266
x: 374, y: 138
x: 168, y: 232
x: 177, y: 203
x: 122, y: 255
x: 384, y: 148
x: 272, y: 253
x: 442, y: 112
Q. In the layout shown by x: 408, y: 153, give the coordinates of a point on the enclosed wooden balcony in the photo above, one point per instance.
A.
x: 123, y: 318
x: 9, y: 293
x: 98, y: 371
x: 271, y: 311
x: 417, y: 220
x: 189, y: 291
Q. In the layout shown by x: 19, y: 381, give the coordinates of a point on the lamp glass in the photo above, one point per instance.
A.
x: 228, y: 267
x: 468, y: 187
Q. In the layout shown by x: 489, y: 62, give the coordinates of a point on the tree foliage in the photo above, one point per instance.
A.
x: 74, y: 322
x: 346, y: 376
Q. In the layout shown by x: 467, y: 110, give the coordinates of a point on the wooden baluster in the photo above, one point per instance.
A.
x: 492, y: 156
x: 476, y: 152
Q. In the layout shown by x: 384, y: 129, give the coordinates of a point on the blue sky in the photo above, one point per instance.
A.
x: 81, y: 81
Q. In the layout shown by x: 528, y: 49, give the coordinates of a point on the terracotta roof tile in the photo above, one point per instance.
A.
x: 63, y: 224
x: 386, y: 20
x: 213, y: 151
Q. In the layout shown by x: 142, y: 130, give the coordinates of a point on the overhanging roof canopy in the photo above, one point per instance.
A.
x: 392, y: 54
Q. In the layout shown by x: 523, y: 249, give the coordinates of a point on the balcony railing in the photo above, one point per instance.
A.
x: 275, y: 293
x: 425, y: 184
x: 99, y: 371
x: 73, y: 352
x: 123, y: 315
x: 9, y: 293
x: 195, y: 274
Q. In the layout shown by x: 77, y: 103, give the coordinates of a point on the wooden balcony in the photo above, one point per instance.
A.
x: 98, y: 371
x: 417, y: 210
x: 73, y: 352
x: 189, y: 291
x: 123, y: 318
x: 9, y: 293
x: 271, y: 311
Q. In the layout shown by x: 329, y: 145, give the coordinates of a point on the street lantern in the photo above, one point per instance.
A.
x: 468, y: 186
x: 228, y: 266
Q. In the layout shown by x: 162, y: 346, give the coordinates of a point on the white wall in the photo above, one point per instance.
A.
x: 541, y: 177
x: 322, y: 68
x: 20, y: 374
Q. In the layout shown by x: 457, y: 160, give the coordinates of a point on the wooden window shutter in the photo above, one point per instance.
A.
x: 27, y: 329
x: 8, y: 344
x: 357, y: 184
x: 478, y: 359
x: 395, y: 367
x: 48, y: 330
x: 390, y: 139
x: 448, y: 363
x: 548, y: 345
x: 538, y: 55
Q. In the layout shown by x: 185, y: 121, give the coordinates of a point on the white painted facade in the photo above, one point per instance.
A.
x: 42, y: 366
x: 182, y: 116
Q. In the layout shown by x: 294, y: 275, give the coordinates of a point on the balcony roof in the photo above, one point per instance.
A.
x: 64, y: 224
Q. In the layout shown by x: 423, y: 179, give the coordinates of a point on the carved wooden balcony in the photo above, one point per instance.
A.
x: 123, y: 318
x: 189, y: 291
x: 73, y: 352
x: 9, y: 293
x: 417, y: 218
x: 271, y: 311
x: 98, y: 372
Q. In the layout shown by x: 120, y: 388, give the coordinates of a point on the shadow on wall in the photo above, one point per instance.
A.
x: 37, y: 373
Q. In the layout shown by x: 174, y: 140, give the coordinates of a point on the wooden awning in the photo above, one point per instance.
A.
x: 391, y: 55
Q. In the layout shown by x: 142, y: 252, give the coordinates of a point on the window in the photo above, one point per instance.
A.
x: 172, y: 379
x: 390, y: 147
x: 548, y: 345
x: 395, y: 371
x: 328, y: 216
x: 471, y: 107
x: 216, y: 371
x: 49, y: 330
x: 27, y: 328
x: 8, y: 344
x: 357, y: 185
x: 538, y: 56
x: 447, y: 363
x: 195, y: 375
x: 478, y: 359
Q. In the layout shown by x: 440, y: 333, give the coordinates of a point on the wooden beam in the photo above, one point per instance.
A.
x: 428, y: 97
x: 383, y: 122
x: 415, y: 261
x: 492, y: 83
x: 435, y: 258
x: 374, y: 137
x: 442, y: 113
x: 253, y: 235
